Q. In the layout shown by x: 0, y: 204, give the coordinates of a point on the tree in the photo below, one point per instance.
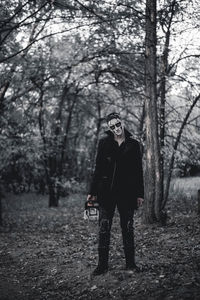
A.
x: 152, y: 169
x: 65, y: 77
x: 170, y: 15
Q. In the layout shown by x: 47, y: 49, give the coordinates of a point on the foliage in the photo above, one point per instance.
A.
x: 65, y: 64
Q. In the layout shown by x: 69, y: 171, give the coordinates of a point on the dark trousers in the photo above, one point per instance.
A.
x: 105, y: 223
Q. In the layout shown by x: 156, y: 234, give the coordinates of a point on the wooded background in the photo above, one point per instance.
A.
x: 65, y: 64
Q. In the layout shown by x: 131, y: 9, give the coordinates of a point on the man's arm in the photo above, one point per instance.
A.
x: 140, y: 180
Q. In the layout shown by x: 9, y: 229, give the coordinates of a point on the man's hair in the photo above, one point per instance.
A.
x: 112, y: 116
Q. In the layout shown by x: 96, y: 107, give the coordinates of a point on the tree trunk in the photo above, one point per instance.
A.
x: 67, y: 129
x: 152, y: 151
x: 99, y: 120
x: 198, y: 202
x: 96, y: 141
x: 164, y: 67
x: 171, y: 164
x: 164, y: 72
x: 53, y: 197
x: 1, y: 219
x: 49, y: 160
x: 52, y: 180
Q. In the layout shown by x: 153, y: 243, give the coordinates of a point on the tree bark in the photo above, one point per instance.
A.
x: 152, y: 151
x: 48, y: 158
x: 96, y: 141
x: 164, y: 68
x: 67, y: 129
x: 1, y: 219
x: 164, y: 72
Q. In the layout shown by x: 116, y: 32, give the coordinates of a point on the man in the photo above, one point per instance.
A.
x: 117, y: 181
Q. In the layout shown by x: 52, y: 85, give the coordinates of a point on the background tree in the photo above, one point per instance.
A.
x: 66, y: 64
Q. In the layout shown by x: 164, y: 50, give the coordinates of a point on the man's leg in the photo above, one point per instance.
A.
x: 126, y: 222
x: 105, y: 223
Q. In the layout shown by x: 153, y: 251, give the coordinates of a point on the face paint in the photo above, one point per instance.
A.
x: 115, y: 125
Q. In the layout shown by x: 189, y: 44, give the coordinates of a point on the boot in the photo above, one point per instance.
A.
x: 130, y: 260
x: 100, y: 270
x: 102, y: 267
x: 129, y: 256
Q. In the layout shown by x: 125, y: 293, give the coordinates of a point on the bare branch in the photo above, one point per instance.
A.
x: 182, y: 58
x: 196, y: 99
x: 20, y: 23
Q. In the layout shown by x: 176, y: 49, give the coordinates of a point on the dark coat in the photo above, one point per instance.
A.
x: 118, y: 171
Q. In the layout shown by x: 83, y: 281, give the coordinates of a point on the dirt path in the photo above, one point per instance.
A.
x: 50, y: 254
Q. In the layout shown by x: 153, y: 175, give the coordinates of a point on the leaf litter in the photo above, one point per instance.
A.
x: 51, y: 253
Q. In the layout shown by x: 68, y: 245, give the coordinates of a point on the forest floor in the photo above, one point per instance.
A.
x: 49, y: 253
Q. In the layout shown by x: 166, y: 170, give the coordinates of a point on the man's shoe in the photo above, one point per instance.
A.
x: 100, y: 270
x: 133, y: 267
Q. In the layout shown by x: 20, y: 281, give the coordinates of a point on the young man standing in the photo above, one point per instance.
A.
x: 117, y: 181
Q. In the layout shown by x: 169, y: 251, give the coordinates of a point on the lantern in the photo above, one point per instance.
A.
x: 91, y: 210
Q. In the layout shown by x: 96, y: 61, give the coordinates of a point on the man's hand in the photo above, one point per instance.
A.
x: 140, y: 201
x: 91, y: 198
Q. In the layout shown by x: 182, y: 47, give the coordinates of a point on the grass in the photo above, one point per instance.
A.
x: 184, y: 194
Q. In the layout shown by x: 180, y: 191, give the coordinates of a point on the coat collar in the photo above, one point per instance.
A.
x: 126, y: 132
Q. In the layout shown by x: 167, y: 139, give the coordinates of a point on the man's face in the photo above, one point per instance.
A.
x: 115, y: 125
